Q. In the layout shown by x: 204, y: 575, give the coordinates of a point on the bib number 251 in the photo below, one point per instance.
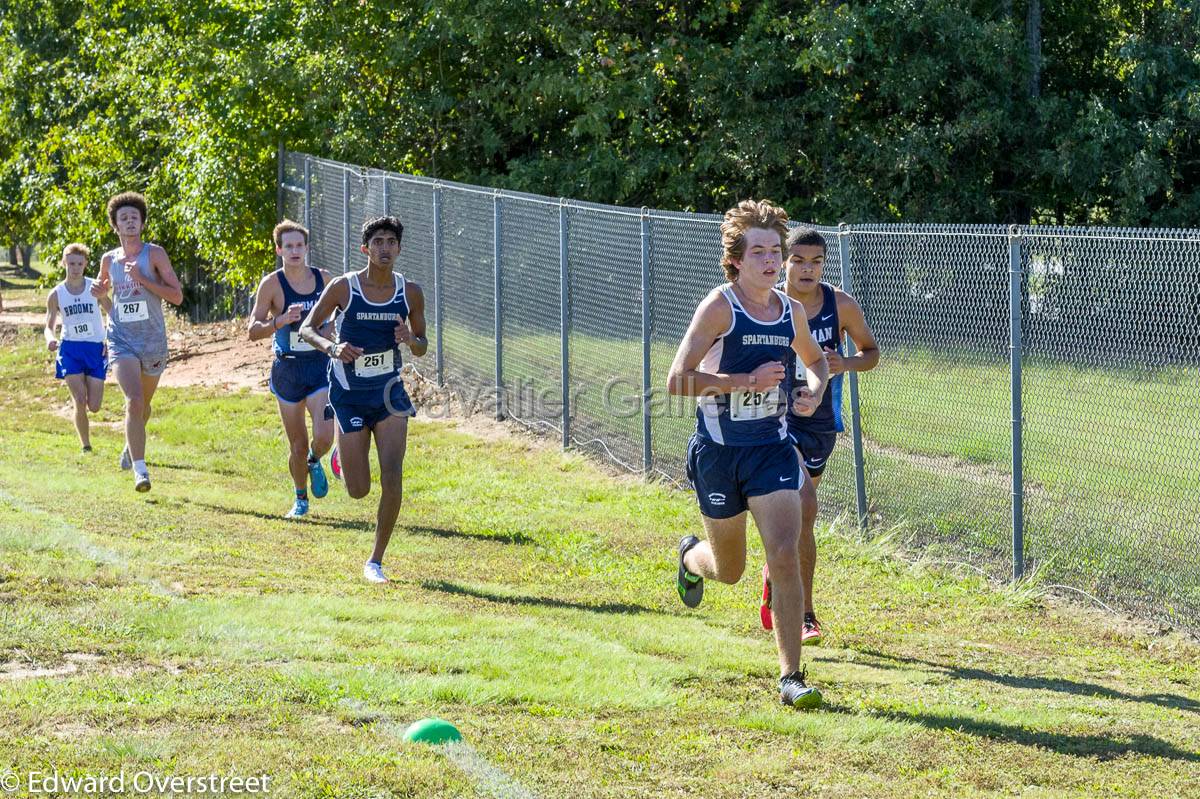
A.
x: 374, y: 364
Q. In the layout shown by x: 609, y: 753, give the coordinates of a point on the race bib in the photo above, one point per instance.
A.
x: 374, y: 364
x: 747, y: 406
x: 297, y: 344
x: 80, y: 330
x: 133, y: 311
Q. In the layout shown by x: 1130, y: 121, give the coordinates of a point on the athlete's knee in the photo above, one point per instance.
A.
x: 357, y: 489
x: 321, y: 442
x: 135, y: 405
x: 728, y: 569
x: 93, y: 404
x: 783, y: 551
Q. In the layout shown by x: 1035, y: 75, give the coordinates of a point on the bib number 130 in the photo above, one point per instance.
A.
x: 745, y: 406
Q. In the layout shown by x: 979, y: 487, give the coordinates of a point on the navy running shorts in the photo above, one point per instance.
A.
x: 296, y: 379
x: 814, y: 448
x: 726, y: 477
x: 365, y: 408
x: 80, y: 358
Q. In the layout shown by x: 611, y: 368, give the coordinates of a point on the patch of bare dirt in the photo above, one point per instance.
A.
x: 22, y: 318
x: 217, y: 354
x: 72, y: 663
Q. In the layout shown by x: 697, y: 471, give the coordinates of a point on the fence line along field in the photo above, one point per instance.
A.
x: 533, y: 605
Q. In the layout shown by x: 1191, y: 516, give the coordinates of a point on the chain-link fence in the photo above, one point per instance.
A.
x: 1036, y: 407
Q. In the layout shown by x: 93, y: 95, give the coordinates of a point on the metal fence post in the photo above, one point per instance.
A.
x: 499, y: 319
x: 307, y: 193
x: 387, y: 195
x: 439, y: 355
x: 1014, y: 359
x: 345, y: 221
x: 564, y: 322
x: 860, y: 479
x: 647, y: 449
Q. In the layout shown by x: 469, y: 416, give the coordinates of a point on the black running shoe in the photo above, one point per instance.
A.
x: 691, y: 586
x: 793, y: 691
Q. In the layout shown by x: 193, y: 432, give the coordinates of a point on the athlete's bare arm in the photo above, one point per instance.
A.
x: 100, y: 292
x: 335, y: 297
x: 854, y: 324
x: 806, y: 400
x: 51, y: 314
x: 165, y: 284
x: 712, y: 318
x: 413, y: 334
x: 265, y: 318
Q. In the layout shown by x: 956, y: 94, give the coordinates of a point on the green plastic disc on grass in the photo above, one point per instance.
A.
x: 432, y: 731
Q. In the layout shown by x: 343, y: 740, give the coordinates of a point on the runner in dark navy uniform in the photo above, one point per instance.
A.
x: 380, y: 311
x: 831, y: 314
x: 299, y: 372
x: 733, y: 359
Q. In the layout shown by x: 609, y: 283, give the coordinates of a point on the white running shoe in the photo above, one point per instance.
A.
x: 373, y: 572
x: 126, y: 461
x: 141, y: 483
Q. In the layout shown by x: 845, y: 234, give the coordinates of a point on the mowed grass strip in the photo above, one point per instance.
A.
x: 532, y: 605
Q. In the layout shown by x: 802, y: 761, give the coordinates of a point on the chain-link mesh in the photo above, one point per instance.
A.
x: 604, y: 264
x: 530, y: 311
x: 936, y: 417
x: 1112, y: 415
x: 685, y: 264
x: 468, y: 292
x: 412, y: 202
x: 1111, y: 351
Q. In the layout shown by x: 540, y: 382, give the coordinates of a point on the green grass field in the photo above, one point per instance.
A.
x: 533, y: 606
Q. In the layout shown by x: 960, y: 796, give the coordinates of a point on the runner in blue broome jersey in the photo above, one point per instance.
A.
x: 831, y: 313
x: 82, y: 359
x: 740, y: 459
x: 380, y: 310
x: 299, y: 371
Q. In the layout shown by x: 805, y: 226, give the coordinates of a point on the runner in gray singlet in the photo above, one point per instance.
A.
x: 136, y: 328
x: 141, y: 278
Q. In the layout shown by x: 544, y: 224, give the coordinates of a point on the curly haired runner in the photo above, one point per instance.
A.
x: 733, y: 359
x: 141, y: 278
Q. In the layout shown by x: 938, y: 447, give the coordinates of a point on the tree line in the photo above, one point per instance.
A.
x: 1076, y: 112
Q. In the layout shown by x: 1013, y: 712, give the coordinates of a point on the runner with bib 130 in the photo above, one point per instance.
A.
x: 82, y: 359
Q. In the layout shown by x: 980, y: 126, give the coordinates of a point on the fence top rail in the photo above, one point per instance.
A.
x: 908, y: 229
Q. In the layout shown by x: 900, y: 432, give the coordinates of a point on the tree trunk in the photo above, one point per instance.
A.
x: 27, y: 257
x: 1033, y: 38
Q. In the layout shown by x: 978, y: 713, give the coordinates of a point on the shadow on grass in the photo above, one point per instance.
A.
x: 1103, y: 747
x: 1059, y: 684
x: 439, y: 532
x: 367, y: 524
x: 191, y: 467
x: 537, y: 601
